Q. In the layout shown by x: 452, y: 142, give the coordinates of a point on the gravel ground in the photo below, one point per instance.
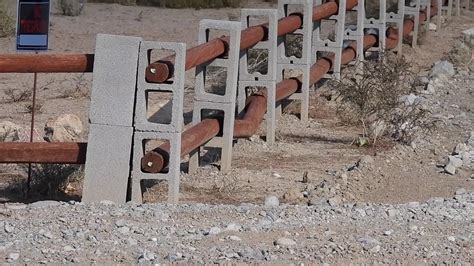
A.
x: 437, y: 231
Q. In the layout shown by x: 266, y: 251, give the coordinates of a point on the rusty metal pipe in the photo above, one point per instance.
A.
x: 161, y: 70
x: 46, y: 63
x: 43, y: 152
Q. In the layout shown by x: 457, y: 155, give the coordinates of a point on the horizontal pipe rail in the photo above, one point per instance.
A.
x: 162, y: 70
x: 46, y: 63
x: 43, y: 152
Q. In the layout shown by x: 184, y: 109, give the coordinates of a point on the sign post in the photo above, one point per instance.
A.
x: 32, y: 35
x: 32, y: 25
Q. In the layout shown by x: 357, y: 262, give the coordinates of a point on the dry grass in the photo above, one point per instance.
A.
x: 17, y: 95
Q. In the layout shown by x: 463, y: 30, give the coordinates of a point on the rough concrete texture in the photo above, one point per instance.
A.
x: 397, y: 18
x: 114, y: 80
x: 108, y: 163
x: 173, y: 174
x: 177, y: 88
x: 306, y: 6
x: 381, y: 26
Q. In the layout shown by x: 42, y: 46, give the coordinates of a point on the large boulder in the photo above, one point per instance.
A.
x: 66, y: 128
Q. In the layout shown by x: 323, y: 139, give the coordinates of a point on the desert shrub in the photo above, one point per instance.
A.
x: 374, y: 96
x: 7, y: 23
x: 71, y: 7
x: 49, y: 180
x: 17, y: 95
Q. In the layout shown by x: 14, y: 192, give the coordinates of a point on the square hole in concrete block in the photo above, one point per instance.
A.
x: 162, y: 146
x: 257, y: 61
x: 163, y: 56
x: 216, y: 80
x: 256, y: 20
x: 293, y: 45
x: 327, y: 30
x: 159, y: 106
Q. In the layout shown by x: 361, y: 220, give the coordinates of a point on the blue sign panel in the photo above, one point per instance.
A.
x: 32, y: 25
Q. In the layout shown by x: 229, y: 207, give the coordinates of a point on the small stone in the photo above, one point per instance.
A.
x: 272, y: 201
x: 124, y: 230
x: 460, y: 191
x: 451, y: 238
x: 146, y: 256
x: 285, y: 242
x: 369, y: 243
x: 375, y: 249
x: 442, y: 69
x: 392, y: 212
x: 47, y: 235
x: 233, y: 227
x: 277, y: 175
x: 450, y: 169
x: 132, y: 242
x: 68, y: 248
x: 413, y: 227
x: 14, y: 256
x: 214, y: 231
x: 120, y: 223
x: 409, y: 99
x: 234, y: 238
x: 387, y: 233
x: 44, y: 204
x: 366, y: 160
x: 66, y: 128
x: 10, y: 132
x: 107, y: 202
x: 8, y: 228
x: 454, y: 161
x: 460, y: 148
x: 432, y: 27
x: 335, y: 201
x: 293, y: 194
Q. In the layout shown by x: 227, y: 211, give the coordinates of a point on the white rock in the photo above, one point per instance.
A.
x: 450, y: 169
x: 233, y: 227
x: 214, y: 230
x: 272, y: 201
x: 451, y: 238
x: 277, y: 175
x: 442, y: 69
x: 433, y: 26
x: 409, y: 99
x: 234, y: 238
x: 335, y: 201
x: 66, y: 128
x: 456, y: 162
x: 460, y: 148
x: 14, y: 256
x: 44, y: 204
x: 366, y: 160
x: 10, y: 132
x: 469, y: 36
x: 285, y: 242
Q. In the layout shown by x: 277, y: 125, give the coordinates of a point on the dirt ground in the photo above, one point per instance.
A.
x: 320, y: 147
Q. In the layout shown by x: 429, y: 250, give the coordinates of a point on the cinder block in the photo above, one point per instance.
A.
x: 173, y: 174
x: 114, y: 80
x: 177, y: 88
x: 108, y: 163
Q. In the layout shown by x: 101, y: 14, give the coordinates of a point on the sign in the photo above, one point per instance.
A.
x: 32, y: 25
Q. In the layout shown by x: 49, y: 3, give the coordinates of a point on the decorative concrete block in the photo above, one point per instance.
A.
x: 114, y: 80
x: 107, y: 168
x: 176, y: 88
